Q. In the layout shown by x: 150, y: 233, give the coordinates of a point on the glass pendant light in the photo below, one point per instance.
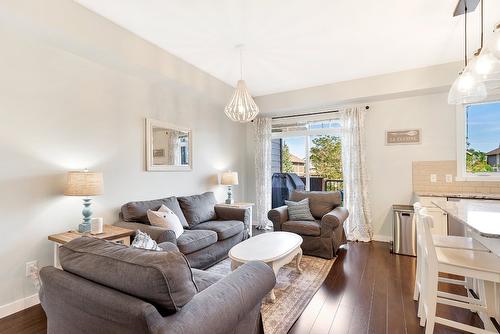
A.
x: 467, y: 88
x: 485, y: 62
x: 241, y: 108
x: 495, y: 42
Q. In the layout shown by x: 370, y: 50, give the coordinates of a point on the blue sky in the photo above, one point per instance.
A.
x: 297, y: 146
x: 484, y: 126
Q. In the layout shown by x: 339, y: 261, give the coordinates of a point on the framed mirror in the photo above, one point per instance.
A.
x: 168, y: 147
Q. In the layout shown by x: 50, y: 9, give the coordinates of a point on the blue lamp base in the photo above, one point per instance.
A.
x: 84, y: 227
x: 229, y: 199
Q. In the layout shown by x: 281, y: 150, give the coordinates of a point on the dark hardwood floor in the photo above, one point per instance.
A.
x: 29, y: 321
x: 368, y: 290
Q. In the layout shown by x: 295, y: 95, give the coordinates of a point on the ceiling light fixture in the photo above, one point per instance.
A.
x: 467, y: 88
x: 241, y: 108
x: 495, y: 42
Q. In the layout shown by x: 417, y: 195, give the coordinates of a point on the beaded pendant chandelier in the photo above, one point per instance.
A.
x: 241, y: 108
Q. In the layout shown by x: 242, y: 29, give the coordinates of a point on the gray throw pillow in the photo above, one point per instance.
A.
x: 299, y: 210
x: 198, y: 208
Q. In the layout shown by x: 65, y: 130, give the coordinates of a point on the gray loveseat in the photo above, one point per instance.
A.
x: 209, y: 230
x: 111, y: 288
x: 323, y: 236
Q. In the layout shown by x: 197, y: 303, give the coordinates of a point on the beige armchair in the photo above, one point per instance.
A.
x: 323, y: 236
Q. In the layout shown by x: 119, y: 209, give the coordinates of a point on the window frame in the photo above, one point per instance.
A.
x: 461, y: 128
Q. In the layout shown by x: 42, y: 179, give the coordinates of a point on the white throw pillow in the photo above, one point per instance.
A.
x: 144, y: 241
x: 166, y: 218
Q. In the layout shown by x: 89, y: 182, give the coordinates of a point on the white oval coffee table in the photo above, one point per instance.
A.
x: 274, y: 248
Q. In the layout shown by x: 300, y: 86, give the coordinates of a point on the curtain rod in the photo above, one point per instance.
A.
x: 311, y: 114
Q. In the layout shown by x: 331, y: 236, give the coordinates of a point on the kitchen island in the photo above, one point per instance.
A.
x: 481, y: 219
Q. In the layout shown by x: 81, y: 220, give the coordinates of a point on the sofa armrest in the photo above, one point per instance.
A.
x: 332, y: 220
x: 159, y: 234
x: 220, y: 307
x: 278, y: 216
x: 230, y: 213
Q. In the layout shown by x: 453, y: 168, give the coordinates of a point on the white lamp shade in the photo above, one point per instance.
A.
x: 84, y: 184
x: 229, y: 178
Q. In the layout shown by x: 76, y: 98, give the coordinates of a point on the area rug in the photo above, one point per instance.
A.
x: 293, y: 291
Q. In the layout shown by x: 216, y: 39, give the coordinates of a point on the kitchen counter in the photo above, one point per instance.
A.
x: 458, y: 195
x: 482, y: 216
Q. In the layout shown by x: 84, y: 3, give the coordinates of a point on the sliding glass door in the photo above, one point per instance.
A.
x: 311, y: 149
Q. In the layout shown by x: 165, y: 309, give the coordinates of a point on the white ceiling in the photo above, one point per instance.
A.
x: 292, y: 44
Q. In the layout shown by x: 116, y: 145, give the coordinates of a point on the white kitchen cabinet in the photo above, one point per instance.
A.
x: 440, y: 219
x: 439, y: 216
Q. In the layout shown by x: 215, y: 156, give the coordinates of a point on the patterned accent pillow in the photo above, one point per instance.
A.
x: 144, y: 241
x: 299, y: 210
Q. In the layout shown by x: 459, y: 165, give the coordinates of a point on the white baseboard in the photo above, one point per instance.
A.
x: 18, y: 305
x: 382, y: 238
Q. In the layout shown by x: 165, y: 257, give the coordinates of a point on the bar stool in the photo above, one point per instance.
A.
x: 484, y: 267
x: 443, y: 242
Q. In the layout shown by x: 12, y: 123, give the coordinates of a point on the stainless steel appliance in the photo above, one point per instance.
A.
x: 404, y: 231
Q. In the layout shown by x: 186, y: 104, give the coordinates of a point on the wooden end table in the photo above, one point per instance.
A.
x: 241, y: 205
x: 112, y: 233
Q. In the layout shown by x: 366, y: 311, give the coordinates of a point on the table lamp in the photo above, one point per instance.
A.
x: 84, y: 184
x: 229, y: 179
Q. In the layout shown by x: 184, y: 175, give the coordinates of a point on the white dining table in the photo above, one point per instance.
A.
x: 481, y: 219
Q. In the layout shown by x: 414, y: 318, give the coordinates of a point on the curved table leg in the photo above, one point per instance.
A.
x: 298, y: 259
x: 235, y: 264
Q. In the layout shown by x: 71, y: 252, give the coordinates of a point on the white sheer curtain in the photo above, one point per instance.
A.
x: 262, y: 127
x: 359, y: 225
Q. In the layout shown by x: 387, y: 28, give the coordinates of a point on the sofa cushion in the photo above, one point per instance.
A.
x: 137, y: 211
x: 320, y: 202
x: 198, y: 208
x: 224, y: 228
x: 303, y: 227
x: 204, y: 278
x: 192, y: 240
x: 162, y: 278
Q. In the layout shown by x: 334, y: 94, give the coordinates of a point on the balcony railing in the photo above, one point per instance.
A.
x: 333, y: 185
x: 318, y: 183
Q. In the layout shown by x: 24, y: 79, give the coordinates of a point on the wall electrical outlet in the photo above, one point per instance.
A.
x: 433, y: 178
x: 31, y: 267
x: 449, y: 178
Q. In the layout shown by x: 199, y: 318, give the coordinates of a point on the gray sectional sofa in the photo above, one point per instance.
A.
x: 111, y: 288
x: 209, y: 230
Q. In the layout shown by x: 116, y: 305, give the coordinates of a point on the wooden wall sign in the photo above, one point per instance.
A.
x: 403, y: 137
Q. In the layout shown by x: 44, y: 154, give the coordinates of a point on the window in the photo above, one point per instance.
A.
x: 310, y: 148
x: 479, y: 141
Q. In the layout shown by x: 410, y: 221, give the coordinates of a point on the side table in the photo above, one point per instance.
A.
x: 111, y: 233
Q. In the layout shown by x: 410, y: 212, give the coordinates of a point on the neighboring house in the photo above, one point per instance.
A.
x: 299, y: 165
x: 493, y: 158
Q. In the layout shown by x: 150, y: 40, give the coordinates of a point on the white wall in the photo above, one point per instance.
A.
x: 409, y: 99
x: 390, y: 167
x: 74, y: 92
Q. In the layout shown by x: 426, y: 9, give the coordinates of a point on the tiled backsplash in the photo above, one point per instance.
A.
x: 422, y: 171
